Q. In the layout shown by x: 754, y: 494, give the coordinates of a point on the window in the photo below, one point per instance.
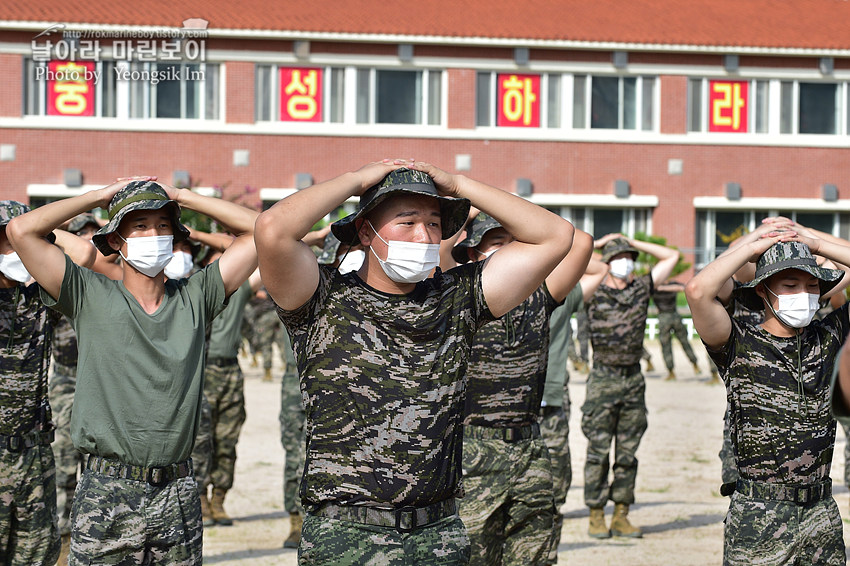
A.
x: 91, y: 92
x: 182, y: 90
x: 818, y: 108
x: 722, y: 105
x: 625, y: 103
x: 619, y: 103
x: 600, y: 221
x: 376, y: 96
x: 399, y: 97
x: 275, y: 86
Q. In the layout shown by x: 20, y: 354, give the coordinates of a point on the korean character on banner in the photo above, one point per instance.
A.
x: 302, y: 94
x: 71, y: 92
x: 146, y: 50
x: 519, y: 100
x: 169, y: 50
x: 90, y: 50
x: 194, y: 50
x: 41, y: 51
x: 122, y: 50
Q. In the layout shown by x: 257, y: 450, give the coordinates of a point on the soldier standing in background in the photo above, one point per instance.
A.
x: 508, y: 508
x: 555, y: 406
x: 29, y: 529
x: 614, y: 408
x: 670, y: 325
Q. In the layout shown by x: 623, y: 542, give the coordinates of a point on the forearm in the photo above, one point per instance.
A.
x: 79, y: 250
x: 656, y: 250
x: 237, y: 218
x: 218, y: 241
x: 717, y: 275
x: 41, y: 221
x: 837, y: 252
x: 844, y: 374
x: 294, y: 217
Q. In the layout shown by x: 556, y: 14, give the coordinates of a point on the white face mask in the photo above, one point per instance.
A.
x: 352, y: 261
x: 12, y: 267
x: 796, y: 310
x: 622, y: 268
x: 408, y: 262
x: 149, y: 254
x: 487, y: 254
x: 180, y: 265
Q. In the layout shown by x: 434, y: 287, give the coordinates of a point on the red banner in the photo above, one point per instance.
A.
x: 518, y: 101
x: 70, y: 88
x: 300, y: 94
x: 727, y: 106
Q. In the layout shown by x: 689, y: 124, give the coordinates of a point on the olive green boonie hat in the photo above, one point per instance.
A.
x: 779, y: 257
x: 453, y: 211
x: 479, y: 226
x: 138, y: 195
x: 12, y: 208
x: 80, y: 221
x: 618, y: 246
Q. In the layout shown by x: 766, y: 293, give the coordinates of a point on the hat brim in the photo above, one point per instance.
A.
x: 100, y: 237
x: 607, y: 257
x: 453, y: 212
x: 459, y: 252
x: 827, y: 278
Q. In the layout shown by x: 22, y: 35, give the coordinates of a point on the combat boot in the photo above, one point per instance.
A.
x: 696, y: 368
x: 294, y: 537
x: 64, y: 550
x: 581, y: 366
x: 267, y: 375
x: 620, y: 525
x: 597, y: 528
x: 219, y: 515
x: 671, y: 376
x: 649, y: 366
x: 206, y: 514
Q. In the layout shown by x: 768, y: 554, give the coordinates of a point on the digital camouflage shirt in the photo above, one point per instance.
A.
x: 507, y: 365
x: 781, y: 426
x: 65, y: 343
x: 617, y: 322
x: 26, y: 326
x: 383, y: 383
x: 665, y: 301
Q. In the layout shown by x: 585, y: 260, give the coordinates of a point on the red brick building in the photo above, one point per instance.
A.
x: 689, y: 120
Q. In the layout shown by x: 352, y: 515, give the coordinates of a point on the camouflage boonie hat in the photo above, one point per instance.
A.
x: 12, y: 208
x: 479, y: 226
x: 453, y: 211
x: 618, y: 246
x: 138, y: 195
x: 80, y: 221
x: 328, y: 255
x: 779, y: 257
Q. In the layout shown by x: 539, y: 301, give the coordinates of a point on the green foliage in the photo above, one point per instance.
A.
x: 645, y: 262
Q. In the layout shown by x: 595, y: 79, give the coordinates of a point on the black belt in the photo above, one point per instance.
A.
x: 797, y: 494
x: 508, y: 434
x: 21, y: 442
x: 154, y: 475
x: 403, y: 519
x: 223, y: 362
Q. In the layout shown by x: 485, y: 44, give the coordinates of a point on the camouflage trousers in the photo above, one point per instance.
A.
x: 508, y: 507
x: 333, y: 542
x: 29, y: 533
x: 267, y: 331
x: 728, y: 468
x: 292, y: 419
x: 764, y: 533
x: 63, y: 383
x: 555, y: 431
x: 126, y: 522
x: 214, y: 454
x: 670, y: 325
x: 614, y: 409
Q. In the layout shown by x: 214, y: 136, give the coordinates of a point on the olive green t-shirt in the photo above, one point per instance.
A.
x: 560, y: 334
x: 139, y: 375
x: 226, y: 332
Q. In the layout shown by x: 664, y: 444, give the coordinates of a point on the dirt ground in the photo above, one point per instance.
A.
x: 678, y: 503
